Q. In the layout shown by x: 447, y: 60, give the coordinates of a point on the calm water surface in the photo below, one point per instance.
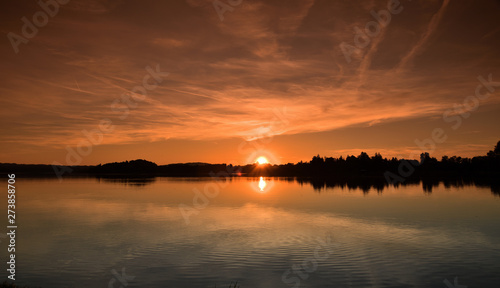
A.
x: 84, y: 232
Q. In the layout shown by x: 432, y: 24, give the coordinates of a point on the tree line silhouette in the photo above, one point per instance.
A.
x: 361, y: 166
x: 352, y: 172
x: 376, y: 166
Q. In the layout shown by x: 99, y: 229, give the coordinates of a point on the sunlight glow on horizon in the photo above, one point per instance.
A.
x: 262, y: 160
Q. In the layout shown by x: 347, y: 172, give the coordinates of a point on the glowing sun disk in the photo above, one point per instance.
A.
x: 262, y: 160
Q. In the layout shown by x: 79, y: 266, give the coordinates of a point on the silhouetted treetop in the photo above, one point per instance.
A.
x: 138, y: 166
x: 495, y: 152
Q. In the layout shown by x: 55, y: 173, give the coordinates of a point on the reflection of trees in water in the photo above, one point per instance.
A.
x: 321, y: 184
x: 493, y: 184
x: 365, y: 185
x: 136, y: 181
x: 428, y: 184
x: 379, y: 184
x: 495, y: 190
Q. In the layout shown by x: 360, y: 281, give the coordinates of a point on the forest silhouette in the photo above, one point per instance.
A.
x: 360, y: 171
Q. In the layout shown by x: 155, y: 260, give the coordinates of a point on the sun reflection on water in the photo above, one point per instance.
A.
x: 262, y: 184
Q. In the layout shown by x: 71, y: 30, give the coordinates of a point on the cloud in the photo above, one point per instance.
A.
x: 227, y: 77
x: 431, y: 28
x: 170, y: 43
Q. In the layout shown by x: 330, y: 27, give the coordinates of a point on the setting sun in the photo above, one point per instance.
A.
x: 262, y: 160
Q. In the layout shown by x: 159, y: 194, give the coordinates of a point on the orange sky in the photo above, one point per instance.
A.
x: 271, y: 72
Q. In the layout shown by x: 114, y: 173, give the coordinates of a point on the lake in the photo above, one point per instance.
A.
x: 261, y: 232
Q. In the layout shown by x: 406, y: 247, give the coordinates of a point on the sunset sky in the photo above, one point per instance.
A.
x: 264, y: 78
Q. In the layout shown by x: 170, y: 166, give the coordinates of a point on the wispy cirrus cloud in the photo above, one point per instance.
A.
x: 433, y: 25
x: 226, y: 77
